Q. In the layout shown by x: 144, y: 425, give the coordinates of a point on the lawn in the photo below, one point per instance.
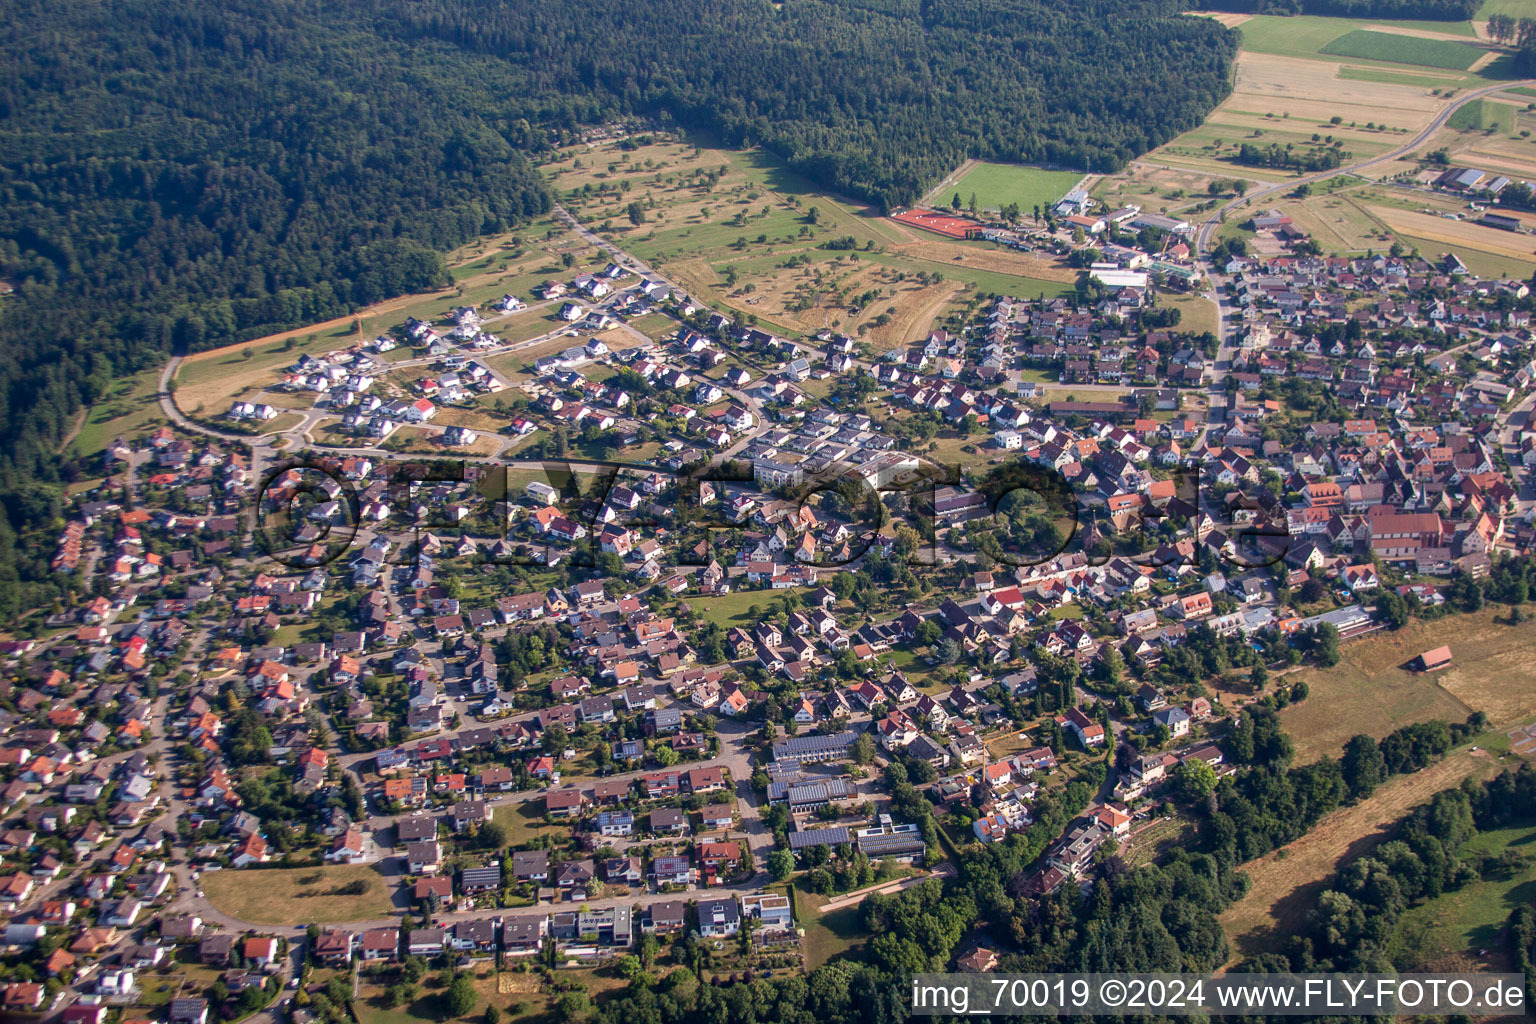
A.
x: 731, y: 609
x: 1196, y: 313
x: 1397, y: 49
x: 996, y: 185
x: 1369, y: 691
x: 524, y: 821
x: 827, y: 935
x: 296, y: 895
x: 1471, y: 918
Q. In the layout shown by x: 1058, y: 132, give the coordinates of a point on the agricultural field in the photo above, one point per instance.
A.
x: 1488, y: 250
x: 1370, y: 691
x: 1294, y: 75
x: 1286, y: 883
x: 743, y: 233
x: 1313, y: 36
x: 285, y: 895
x: 1513, y: 8
x: 996, y: 185
x: 1404, y: 49
x: 1484, y: 115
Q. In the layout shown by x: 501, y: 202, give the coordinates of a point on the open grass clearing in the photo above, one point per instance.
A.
x: 1484, y: 115
x: 829, y: 933
x: 733, y: 609
x: 130, y: 407
x: 1370, y: 691
x: 288, y: 895
x: 1196, y: 312
x: 1339, y: 223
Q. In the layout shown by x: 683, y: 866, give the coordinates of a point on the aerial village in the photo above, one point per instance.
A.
x: 567, y: 710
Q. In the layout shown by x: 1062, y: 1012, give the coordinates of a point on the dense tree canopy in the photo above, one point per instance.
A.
x: 179, y: 175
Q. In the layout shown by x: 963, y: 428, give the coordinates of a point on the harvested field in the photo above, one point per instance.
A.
x: 1313, y: 91
x: 1285, y: 888
x: 1456, y: 234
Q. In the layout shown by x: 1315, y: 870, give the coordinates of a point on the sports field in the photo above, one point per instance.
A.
x: 996, y: 185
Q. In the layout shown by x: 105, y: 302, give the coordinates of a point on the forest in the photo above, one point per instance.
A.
x: 176, y: 176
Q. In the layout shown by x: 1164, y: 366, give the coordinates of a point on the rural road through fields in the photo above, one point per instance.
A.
x: 1203, y: 236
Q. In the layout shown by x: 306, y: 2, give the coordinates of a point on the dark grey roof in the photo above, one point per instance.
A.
x: 818, y: 837
x: 802, y: 746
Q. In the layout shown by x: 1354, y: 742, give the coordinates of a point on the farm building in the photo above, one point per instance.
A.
x: 1433, y: 661
x: 1501, y: 221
